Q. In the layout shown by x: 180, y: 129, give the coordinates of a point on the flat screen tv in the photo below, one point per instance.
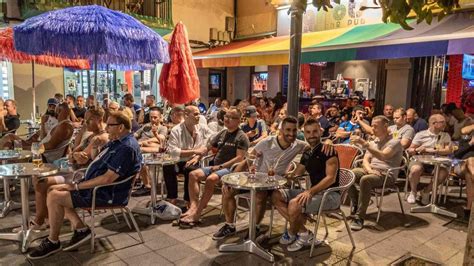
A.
x: 259, y: 81
x: 468, y: 67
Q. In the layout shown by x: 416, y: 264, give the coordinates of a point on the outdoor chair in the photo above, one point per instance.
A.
x: 122, y: 208
x: 348, y: 154
x: 346, y: 180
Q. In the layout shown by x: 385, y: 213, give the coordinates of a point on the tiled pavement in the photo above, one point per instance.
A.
x: 427, y: 235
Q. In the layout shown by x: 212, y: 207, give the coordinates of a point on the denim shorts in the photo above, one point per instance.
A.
x: 80, y: 200
x: 333, y: 200
x: 222, y: 172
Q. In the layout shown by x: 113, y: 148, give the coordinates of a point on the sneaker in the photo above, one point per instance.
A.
x: 425, y: 198
x: 224, y: 232
x: 142, y: 191
x: 411, y: 198
x: 286, y: 239
x: 303, y: 240
x: 357, y: 224
x: 78, y: 238
x: 45, y: 249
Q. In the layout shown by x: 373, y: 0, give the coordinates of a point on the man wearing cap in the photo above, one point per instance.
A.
x: 49, y: 120
x: 254, y: 128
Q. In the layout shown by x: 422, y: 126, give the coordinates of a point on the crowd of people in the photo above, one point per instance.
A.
x: 110, y: 138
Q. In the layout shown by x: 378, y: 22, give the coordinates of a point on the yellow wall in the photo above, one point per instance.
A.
x: 201, y: 15
x: 48, y: 81
x: 255, y: 16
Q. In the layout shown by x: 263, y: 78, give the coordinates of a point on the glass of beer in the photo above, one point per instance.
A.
x: 17, y: 145
x: 251, y: 166
x: 37, y: 151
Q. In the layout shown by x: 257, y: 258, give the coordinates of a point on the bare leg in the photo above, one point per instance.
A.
x: 280, y: 204
x: 41, y: 187
x: 228, y: 203
x: 261, y: 205
x: 469, y: 181
x: 211, y: 182
x: 297, y: 219
x: 193, y: 188
x: 145, y: 176
x: 443, y: 174
x: 414, y: 177
x: 57, y: 202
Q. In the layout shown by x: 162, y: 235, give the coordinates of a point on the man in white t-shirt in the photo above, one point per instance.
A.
x: 282, y: 149
x: 430, y: 141
x: 400, y: 129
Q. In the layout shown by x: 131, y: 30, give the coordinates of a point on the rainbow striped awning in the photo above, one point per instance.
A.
x: 452, y: 35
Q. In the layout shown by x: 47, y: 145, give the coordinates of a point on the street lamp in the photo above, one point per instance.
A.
x: 296, y: 12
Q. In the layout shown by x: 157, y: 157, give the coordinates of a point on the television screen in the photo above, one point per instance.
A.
x: 259, y: 81
x: 468, y: 67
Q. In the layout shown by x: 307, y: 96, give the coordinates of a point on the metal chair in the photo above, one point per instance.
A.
x: 93, y: 208
x: 346, y: 180
x: 348, y: 154
x: 380, y: 193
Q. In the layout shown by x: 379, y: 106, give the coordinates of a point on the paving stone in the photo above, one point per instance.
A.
x: 56, y: 259
x: 177, y: 252
x: 132, y: 251
x: 150, y: 258
x: 84, y: 257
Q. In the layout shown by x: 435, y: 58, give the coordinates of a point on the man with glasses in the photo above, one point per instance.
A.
x: 230, y: 147
x: 120, y: 158
x: 81, y: 157
x: 432, y: 141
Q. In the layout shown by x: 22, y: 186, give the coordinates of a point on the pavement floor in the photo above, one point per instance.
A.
x: 433, y: 237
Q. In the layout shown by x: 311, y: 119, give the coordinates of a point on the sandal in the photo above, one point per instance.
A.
x: 187, y: 225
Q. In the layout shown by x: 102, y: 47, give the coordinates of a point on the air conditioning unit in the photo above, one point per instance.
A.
x: 213, y: 34
x: 230, y: 24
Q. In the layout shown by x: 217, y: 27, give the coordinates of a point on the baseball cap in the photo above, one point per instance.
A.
x: 53, y: 101
x: 250, y: 111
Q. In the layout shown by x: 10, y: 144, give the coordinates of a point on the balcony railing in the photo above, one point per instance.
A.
x: 153, y: 13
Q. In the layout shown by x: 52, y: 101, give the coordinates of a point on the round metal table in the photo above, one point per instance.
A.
x: 241, y: 180
x: 8, y: 204
x: 157, y: 163
x: 24, y: 172
x: 437, y: 162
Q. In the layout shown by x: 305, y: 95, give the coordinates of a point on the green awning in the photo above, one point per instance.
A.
x: 329, y: 56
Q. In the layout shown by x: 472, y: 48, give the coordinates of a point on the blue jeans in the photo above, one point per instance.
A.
x: 222, y: 172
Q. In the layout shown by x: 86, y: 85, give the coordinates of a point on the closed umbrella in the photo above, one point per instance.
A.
x: 179, y: 82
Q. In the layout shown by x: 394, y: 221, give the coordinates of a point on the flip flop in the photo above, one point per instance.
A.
x: 188, y: 225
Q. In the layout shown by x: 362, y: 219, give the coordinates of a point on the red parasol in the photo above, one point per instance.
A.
x: 9, y: 53
x: 179, y: 82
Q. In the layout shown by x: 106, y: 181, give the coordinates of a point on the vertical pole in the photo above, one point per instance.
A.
x: 95, y: 75
x: 296, y: 12
x: 33, y: 90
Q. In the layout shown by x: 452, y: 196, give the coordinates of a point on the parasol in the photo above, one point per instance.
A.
x: 179, y: 82
x: 8, y: 53
x: 102, y: 35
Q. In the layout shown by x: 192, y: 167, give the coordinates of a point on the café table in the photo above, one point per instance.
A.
x: 24, y: 172
x: 258, y: 182
x: 8, y: 204
x: 437, y: 162
x: 156, y: 162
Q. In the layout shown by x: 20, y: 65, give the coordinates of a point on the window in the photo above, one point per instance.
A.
x: 6, y: 82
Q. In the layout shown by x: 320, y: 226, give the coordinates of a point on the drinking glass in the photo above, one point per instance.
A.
x: 271, y: 170
x: 251, y: 166
x: 17, y: 145
x: 37, y: 161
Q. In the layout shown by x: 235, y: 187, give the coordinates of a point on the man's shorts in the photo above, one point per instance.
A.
x: 333, y: 200
x: 83, y: 199
x: 427, y: 168
x: 222, y: 172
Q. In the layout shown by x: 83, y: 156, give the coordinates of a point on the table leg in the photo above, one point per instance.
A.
x: 151, y: 209
x: 250, y: 245
x: 432, y: 206
x: 162, y: 181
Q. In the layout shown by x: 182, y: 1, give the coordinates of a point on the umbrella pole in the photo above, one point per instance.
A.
x: 33, y: 90
x: 95, y: 74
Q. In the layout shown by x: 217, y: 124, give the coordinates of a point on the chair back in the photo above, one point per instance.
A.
x: 346, y: 178
x: 347, y: 154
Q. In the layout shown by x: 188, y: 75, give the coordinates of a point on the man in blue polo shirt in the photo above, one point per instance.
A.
x: 119, y: 159
x: 346, y: 128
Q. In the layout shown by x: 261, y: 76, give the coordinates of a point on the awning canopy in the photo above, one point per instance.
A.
x: 452, y: 35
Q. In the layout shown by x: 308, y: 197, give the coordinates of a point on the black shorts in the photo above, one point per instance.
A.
x: 80, y: 200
